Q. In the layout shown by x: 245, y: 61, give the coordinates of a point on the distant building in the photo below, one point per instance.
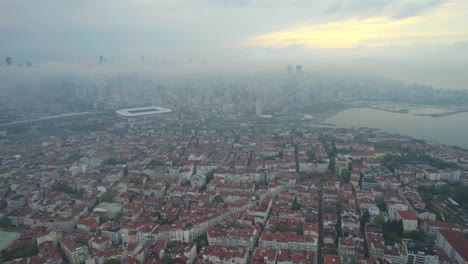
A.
x: 101, y: 59
x: 87, y: 90
x: 298, y: 68
x: 410, y: 221
x: 258, y: 107
x: 150, y: 113
x: 454, y: 244
x: 74, y: 253
x: 290, y: 69
x: 9, y: 61
x: 416, y: 254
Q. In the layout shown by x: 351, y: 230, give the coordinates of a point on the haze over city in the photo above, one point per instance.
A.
x: 422, y: 41
x: 234, y: 131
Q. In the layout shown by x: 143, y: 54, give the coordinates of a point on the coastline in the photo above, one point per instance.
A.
x: 442, y: 114
x: 416, y: 126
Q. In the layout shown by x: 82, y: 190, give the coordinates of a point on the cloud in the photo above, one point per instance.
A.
x: 358, y: 8
x: 446, y: 24
x: 185, y: 27
x: 416, y: 8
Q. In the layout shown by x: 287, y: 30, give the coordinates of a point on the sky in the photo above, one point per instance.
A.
x: 414, y: 40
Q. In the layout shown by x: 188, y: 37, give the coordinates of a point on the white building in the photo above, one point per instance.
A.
x: 410, y: 222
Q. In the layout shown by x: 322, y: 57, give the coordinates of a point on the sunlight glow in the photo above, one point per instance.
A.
x: 447, y: 24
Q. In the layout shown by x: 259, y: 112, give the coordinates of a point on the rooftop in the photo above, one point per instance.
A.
x: 142, y: 111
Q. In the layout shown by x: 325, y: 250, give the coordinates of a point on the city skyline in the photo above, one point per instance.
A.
x: 417, y: 41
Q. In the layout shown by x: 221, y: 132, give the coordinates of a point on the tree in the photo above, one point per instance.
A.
x: 280, y: 155
x: 209, y: 176
x: 218, y: 199
x: 5, y: 222
x: 107, y: 197
x: 381, y: 204
x: 62, y: 187
x: 400, y: 228
x: 19, y: 252
x: 103, y: 219
x: 202, y: 243
x: 311, y: 156
x: 380, y: 220
x: 81, y: 241
x: 167, y: 259
x: 118, y: 215
x: 295, y: 206
x: 299, y: 230
x: 112, y: 261
x: 345, y: 175
x: 156, y: 163
x: 365, y: 218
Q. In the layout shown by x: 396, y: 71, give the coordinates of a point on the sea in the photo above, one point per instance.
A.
x: 449, y: 130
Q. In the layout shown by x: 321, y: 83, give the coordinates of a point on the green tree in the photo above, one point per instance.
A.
x: 381, y: 204
x: 5, y: 222
x: 280, y: 155
x: 81, y: 241
x: 218, y: 199
x: 380, y: 220
x: 311, y: 156
x: 112, y: 261
x: 118, y: 215
x: 156, y: 163
x: 19, y: 252
x: 295, y: 206
x: 63, y: 187
x: 202, y: 243
x: 167, y: 259
x: 299, y: 230
x: 345, y: 175
x: 107, y: 197
x: 400, y: 228
x: 365, y: 218
x: 393, y: 237
x: 103, y: 219
x: 210, y: 176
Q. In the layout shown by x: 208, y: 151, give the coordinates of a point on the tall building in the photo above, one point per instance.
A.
x: 9, y: 61
x: 298, y: 68
x: 101, y: 59
x: 290, y: 69
x: 258, y: 107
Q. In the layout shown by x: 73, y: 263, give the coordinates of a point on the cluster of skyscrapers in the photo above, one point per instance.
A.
x: 291, y: 69
x: 9, y: 62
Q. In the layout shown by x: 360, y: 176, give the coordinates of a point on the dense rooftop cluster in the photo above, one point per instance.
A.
x: 231, y: 193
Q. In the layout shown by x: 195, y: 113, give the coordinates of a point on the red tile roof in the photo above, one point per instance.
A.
x: 458, y: 241
x: 407, y: 215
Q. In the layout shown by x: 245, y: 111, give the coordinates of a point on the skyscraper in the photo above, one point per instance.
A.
x: 258, y: 107
x: 298, y: 68
x: 101, y: 59
x: 9, y: 61
x: 290, y: 69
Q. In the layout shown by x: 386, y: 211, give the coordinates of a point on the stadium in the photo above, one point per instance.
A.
x: 142, y: 113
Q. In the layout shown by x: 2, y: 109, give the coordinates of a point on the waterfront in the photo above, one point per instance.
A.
x: 450, y: 130
x: 6, y: 238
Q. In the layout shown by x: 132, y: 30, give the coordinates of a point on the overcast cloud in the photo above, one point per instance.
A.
x: 408, y: 32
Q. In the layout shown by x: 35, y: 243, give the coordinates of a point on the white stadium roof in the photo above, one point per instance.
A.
x: 142, y: 111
